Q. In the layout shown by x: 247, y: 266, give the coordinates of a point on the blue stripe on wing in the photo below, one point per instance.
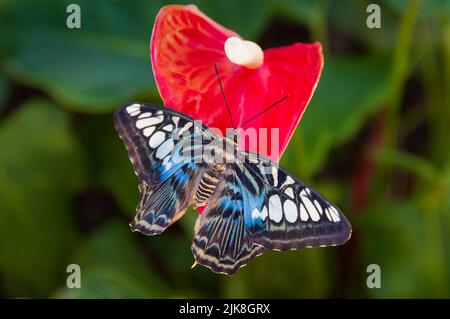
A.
x: 254, y: 197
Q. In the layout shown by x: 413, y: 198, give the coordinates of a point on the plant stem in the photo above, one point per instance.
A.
x: 399, y: 74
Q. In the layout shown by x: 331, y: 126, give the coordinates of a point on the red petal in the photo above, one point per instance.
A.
x: 186, y: 44
x: 200, y: 209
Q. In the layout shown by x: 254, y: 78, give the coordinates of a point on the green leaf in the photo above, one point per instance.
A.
x: 113, y: 267
x: 408, y: 242
x: 92, y: 69
x: 106, y: 62
x: 41, y: 168
x: 349, y: 91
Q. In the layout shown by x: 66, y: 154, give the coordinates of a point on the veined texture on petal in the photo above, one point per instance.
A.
x: 185, y: 46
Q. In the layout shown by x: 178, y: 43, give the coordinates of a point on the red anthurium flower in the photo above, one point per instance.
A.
x: 185, y: 46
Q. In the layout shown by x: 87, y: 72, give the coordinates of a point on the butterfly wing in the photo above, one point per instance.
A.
x: 163, y: 146
x: 222, y: 242
x: 256, y: 206
x: 260, y: 206
x: 292, y: 215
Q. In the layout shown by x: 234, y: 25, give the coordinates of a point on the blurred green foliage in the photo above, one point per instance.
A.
x: 373, y: 139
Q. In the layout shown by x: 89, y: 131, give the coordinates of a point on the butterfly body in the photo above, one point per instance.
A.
x: 251, y: 204
x: 208, y: 184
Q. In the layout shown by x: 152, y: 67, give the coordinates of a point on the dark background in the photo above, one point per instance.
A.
x: 374, y: 140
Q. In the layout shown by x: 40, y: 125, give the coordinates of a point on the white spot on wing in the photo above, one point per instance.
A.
x: 264, y: 213
x: 303, y: 213
x: 133, y: 108
x: 290, y: 211
x: 145, y: 122
x: 289, y: 181
x: 275, y: 209
x: 319, y: 208
x: 168, y: 128
x: 255, y: 213
x: 288, y: 191
x: 275, y: 176
x: 334, y: 214
x: 311, y: 209
x: 164, y: 149
x: 327, y: 213
x: 144, y: 115
x: 148, y: 131
x: 156, y: 139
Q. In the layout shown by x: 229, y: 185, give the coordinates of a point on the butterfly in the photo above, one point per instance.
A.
x: 251, y: 204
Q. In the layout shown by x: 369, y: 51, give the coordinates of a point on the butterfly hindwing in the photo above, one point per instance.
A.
x: 222, y: 241
x: 163, y: 205
x: 157, y: 140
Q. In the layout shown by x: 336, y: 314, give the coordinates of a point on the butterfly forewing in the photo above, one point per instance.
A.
x: 157, y: 140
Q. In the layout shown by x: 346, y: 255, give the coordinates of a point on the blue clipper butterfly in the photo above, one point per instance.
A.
x: 252, y: 204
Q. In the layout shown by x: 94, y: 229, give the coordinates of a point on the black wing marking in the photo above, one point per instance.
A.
x: 162, y: 145
x: 293, y: 215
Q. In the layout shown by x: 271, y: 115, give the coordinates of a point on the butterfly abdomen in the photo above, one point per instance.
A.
x: 207, y: 185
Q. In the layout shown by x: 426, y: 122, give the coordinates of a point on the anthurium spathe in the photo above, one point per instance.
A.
x: 185, y: 46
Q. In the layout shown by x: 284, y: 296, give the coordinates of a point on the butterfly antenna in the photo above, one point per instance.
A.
x: 224, y: 97
x: 265, y: 110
